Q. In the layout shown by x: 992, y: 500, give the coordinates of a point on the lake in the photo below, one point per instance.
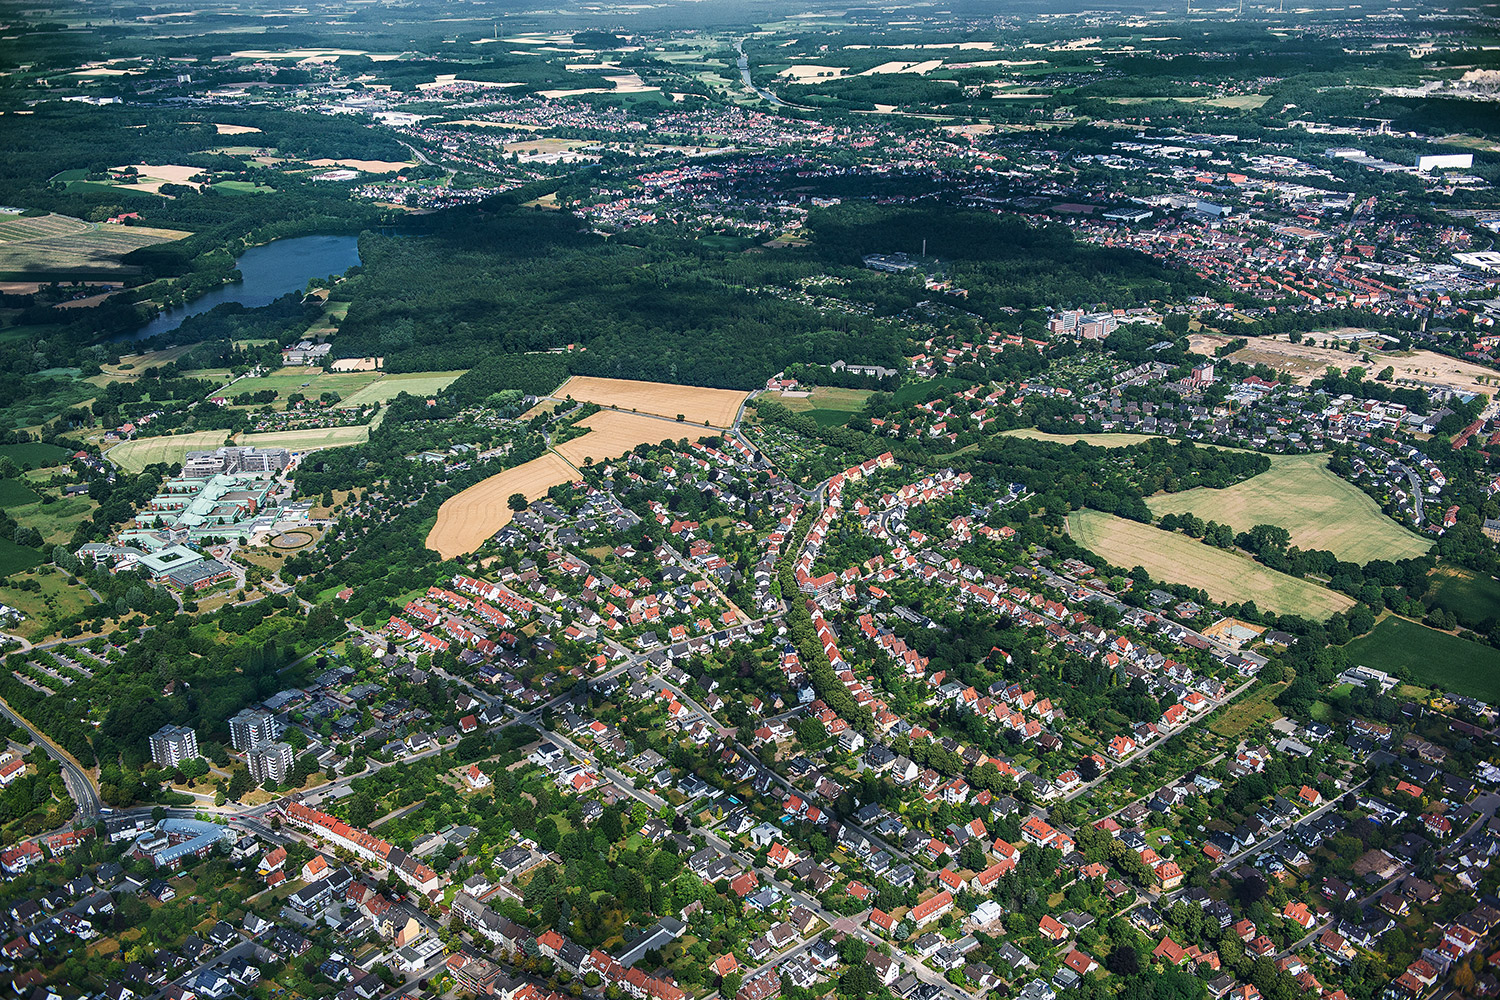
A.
x: 270, y: 271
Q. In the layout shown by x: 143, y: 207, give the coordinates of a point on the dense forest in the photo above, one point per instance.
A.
x: 513, y: 281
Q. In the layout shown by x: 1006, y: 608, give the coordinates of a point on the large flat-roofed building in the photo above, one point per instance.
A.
x: 173, y: 557
x: 171, y: 745
x: 221, y: 504
x: 1445, y: 161
x: 892, y: 263
x: 232, y: 459
x: 199, y: 575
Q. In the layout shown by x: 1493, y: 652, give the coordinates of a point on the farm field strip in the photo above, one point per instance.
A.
x: 827, y: 398
x: 384, y: 389
x: 1307, y: 361
x: 308, y: 381
x: 1472, y: 597
x: 1432, y: 658
x: 465, y: 520
x: 133, y: 456
x: 1299, y: 493
x: 1225, y: 576
x: 611, y: 434
x: 56, y: 243
x: 308, y: 440
x: 1105, y: 440
x: 715, y: 407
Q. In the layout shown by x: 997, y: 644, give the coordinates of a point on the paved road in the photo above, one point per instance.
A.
x: 80, y: 785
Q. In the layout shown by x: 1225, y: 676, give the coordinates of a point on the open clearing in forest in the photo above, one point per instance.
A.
x: 468, y: 518
x: 715, y: 407
x: 133, y: 456
x: 1298, y: 493
x: 1225, y: 576
x: 612, y: 433
x: 151, y: 176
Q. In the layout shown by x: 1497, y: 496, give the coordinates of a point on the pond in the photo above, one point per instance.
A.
x: 270, y: 271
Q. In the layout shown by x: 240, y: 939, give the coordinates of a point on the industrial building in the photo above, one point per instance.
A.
x: 232, y: 460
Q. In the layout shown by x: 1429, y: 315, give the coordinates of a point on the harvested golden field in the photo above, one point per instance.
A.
x: 1110, y: 439
x: 466, y: 520
x: 153, y: 175
x: 612, y: 433
x: 61, y: 243
x: 368, y: 166
x: 715, y: 407
x: 310, y: 439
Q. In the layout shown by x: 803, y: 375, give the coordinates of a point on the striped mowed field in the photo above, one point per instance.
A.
x: 1225, y: 576
x: 1319, y: 509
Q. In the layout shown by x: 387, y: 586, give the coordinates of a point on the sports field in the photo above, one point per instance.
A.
x: 1431, y: 658
x: 391, y: 386
x: 467, y: 519
x: 308, y: 440
x: 612, y: 433
x: 1109, y: 440
x: 828, y: 405
x: 1225, y: 576
x: 715, y: 407
x: 133, y: 456
x: 1298, y: 493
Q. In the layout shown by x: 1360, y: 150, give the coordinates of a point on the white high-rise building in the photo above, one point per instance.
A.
x: 172, y: 745
x: 250, y: 727
x: 271, y: 761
